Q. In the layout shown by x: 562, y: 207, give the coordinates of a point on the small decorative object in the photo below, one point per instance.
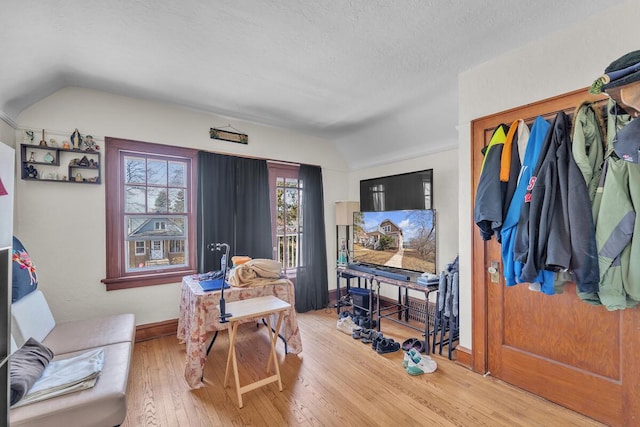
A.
x: 96, y: 147
x: 48, y: 158
x: 342, y: 255
x: 28, y: 136
x: 43, y: 143
x: 89, y: 143
x: 53, y: 142
x: 233, y: 135
x: 65, y: 144
x: 93, y: 163
x: 76, y: 139
x: 32, y: 157
x: 78, y: 177
x: 84, y: 161
x: 31, y: 171
x: 74, y: 162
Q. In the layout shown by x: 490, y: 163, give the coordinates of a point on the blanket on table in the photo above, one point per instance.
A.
x: 254, y: 273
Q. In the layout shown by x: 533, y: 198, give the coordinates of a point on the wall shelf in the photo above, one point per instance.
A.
x: 55, y: 164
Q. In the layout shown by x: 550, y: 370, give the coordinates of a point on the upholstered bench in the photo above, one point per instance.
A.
x: 102, y: 405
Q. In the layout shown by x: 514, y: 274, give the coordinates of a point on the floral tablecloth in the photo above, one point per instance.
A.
x: 199, y: 315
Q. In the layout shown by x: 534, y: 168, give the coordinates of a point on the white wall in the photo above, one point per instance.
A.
x: 63, y: 225
x: 562, y: 62
x: 7, y: 134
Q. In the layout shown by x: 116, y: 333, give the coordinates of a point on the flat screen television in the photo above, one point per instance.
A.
x: 402, y: 239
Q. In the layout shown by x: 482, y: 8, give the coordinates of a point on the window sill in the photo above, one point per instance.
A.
x: 117, y: 283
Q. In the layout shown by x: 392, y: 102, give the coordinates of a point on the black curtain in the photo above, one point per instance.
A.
x: 312, y: 291
x: 233, y: 207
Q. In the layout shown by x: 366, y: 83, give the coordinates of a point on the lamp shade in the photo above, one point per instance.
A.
x: 344, y: 212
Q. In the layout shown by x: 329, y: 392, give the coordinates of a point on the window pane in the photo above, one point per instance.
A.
x: 157, y: 199
x: 134, y: 170
x: 165, y: 237
x: 134, y: 199
x: 177, y: 200
x: 291, y: 182
x: 157, y: 172
x: 291, y: 207
x: 177, y: 174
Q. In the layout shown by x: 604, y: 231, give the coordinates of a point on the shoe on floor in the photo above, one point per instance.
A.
x: 408, y: 343
x: 387, y: 345
x: 425, y: 365
x: 346, y: 325
x: 376, y: 338
x: 413, y: 355
x: 357, y: 333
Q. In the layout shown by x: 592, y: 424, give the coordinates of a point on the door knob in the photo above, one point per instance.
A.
x: 494, y: 271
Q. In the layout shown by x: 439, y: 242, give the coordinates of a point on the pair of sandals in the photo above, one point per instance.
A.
x: 414, y: 343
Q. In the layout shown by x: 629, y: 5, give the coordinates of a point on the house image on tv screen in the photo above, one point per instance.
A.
x: 399, y: 239
x: 387, y: 236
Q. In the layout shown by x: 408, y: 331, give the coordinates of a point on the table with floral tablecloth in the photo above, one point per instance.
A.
x: 200, y: 315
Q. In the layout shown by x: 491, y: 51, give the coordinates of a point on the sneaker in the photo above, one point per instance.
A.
x: 413, y: 355
x: 425, y: 365
x: 346, y: 325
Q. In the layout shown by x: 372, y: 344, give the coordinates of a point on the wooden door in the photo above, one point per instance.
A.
x: 580, y: 356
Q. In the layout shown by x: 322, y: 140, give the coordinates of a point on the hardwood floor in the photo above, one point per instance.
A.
x: 335, y: 381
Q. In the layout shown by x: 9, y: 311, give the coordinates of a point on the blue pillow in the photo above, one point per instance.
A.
x: 25, y: 280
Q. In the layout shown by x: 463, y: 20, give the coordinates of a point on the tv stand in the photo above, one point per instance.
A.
x: 397, y: 312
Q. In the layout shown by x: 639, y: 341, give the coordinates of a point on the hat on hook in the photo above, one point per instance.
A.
x: 620, y: 72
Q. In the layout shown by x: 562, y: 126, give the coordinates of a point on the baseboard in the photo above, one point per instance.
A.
x: 464, y: 357
x: 156, y: 330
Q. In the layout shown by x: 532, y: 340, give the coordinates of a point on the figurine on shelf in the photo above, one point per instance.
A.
x: 89, y: 143
x: 43, y: 143
x: 48, y: 158
x: 53, y: 142
x: 84, y: 161
x: 28, y: 136
x: 65, y: 145
x: 78, y: 177
x: 32, y: 157
x: 76, y: 139
x: 31, y: 171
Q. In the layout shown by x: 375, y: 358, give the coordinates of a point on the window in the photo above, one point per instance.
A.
x: 140, y: 248
x: 176, y: 246
x: 150, y: 191
x: 286, y: 213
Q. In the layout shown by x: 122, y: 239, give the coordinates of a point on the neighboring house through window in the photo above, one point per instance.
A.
x: 286, y: 214
x: 150, y: 204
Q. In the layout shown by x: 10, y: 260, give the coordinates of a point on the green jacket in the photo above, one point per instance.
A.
x: 587, y: 147
x: 618, y: 236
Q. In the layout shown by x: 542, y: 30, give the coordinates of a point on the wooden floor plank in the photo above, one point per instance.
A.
x: 335, y: 381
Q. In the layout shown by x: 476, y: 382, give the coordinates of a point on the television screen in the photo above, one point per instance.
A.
x: 403, y: 239
x: 412, y: 190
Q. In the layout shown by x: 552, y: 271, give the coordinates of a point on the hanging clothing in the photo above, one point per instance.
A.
x: 588, y: 145
x: 509, y: 227
x: 555, y: 229
x: 614, y: 230
x: 490, y: 192
x: 511, y: 162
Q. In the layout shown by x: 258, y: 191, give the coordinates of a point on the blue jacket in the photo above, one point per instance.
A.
x: 511, y: 267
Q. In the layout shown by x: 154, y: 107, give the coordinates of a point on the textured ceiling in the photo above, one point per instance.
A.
x: 332, y: 68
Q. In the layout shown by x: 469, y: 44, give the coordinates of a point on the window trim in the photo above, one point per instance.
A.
x: 116, y: 278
